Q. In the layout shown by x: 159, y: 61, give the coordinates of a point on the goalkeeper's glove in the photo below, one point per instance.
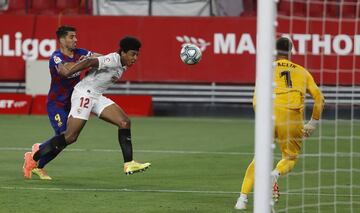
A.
x: 310, y: 127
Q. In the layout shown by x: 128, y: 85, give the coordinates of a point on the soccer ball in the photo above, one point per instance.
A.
x: 190, y: 54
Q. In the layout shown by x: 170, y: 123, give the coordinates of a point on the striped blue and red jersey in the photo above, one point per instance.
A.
x: 61, y: 88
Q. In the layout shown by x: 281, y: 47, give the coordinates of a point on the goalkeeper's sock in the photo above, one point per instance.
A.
x: 248, y: 181
x: 285, y: 165
x: 124, y: 137
x: 243, y: 196
x: 275, y: 173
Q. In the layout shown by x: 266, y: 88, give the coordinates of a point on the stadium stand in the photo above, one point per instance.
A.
x: 348, y: 9
x: 19, y: 7
x: 44, y: 7
x: 68, y: 6
x: 249, y: 8
x: 314, y: 8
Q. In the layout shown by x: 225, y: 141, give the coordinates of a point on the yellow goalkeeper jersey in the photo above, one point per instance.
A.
x: 292, y: 83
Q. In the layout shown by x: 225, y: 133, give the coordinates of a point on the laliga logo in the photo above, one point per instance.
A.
x: 29, y: 49
x: 200, y: 42
x: 11, y: 103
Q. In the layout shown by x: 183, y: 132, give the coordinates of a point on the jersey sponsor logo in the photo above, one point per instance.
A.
x: 28, y: 49
x: 8, y: 104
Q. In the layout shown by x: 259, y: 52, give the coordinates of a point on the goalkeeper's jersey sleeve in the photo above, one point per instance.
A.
x: 317, y: 95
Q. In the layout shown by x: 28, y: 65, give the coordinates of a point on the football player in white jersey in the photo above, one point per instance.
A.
x: 88, y: 97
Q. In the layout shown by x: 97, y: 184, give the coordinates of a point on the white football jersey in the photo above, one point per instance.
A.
x: 98, y: 80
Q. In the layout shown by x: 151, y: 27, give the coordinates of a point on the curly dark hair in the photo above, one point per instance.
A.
x: 129, y: 43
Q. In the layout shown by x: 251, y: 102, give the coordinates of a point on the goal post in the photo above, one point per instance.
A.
x: 266, y: 13
x: 326, y: 41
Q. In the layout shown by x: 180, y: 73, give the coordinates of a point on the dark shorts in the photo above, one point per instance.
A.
x: 58, y: 118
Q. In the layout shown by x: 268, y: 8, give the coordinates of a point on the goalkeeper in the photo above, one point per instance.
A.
x: 292, y: 83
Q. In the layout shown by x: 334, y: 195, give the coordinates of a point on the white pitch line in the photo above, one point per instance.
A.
x: 338, y: 154
x: 155, y: 190
x: 116, y: 190
x: 140, y: 151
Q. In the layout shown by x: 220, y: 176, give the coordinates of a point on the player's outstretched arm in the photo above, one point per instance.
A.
x: 81, y: 65
x: 318, y: 107
x: 93, y: 55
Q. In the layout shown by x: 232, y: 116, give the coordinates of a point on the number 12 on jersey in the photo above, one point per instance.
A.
x: 84, y: 102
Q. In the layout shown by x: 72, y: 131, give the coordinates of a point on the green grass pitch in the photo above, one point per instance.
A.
x: 197, y: 166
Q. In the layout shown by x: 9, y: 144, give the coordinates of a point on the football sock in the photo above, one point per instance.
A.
x: 53, y: 145
x: 124, y: 137
x: 248, y: 181
x: 243, y: 196
x: 47, y: 158
x: 275, y: 174
x: 285, y: 165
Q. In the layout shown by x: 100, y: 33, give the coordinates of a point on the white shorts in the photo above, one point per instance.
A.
x: 83, y: 103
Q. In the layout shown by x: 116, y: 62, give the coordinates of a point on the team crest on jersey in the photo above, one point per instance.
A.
x: 57, y: 60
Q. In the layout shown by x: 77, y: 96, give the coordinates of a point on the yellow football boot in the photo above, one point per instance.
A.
x: 41, y: 173
x: 133, y: 167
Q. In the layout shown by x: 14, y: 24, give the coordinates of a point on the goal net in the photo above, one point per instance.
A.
x: 326, y: 39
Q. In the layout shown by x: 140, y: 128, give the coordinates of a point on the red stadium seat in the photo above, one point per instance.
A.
x: 284, y: 7
x: 347, y: 8
x: 46, y: 7
x: 298, y: 8
x: 18, y: 6
x: 332, y: 8
x: 86, y: 7
x: 249, y: 8
x: 68, y: 6
x: 316, y: 8
x: 319, y: 8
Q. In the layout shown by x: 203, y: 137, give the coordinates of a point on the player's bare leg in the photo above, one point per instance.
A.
x: 115, y: 115
x: 74, y: 127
